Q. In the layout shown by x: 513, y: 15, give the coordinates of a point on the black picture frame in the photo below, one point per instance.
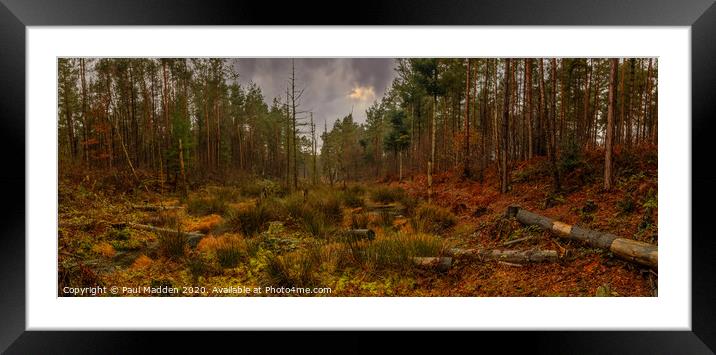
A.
x: 16, y: 15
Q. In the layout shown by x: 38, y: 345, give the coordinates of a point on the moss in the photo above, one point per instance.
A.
x: 131, y: 244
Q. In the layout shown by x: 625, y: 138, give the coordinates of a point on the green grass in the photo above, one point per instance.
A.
x: 129, y: 244
x: 119, y: 234
x: 433, y: 219
x: 315, y: 224
x: 384, y: 194
x: 316, y: 213
x: 163, y: 219
x: 226, y: 193
x: 294, y: 205
x: 231, y: 252
x: 294, y: 269
x: 198, y: 265
x: 359, y: 220
x: 261, y: 188
x: 392, y: 251
x: 353, y: 197
x: 626, y: 205
x: 397, y: 251
x: 385, y: 218
x: 202, y: 206
x: 328, y: 204
x: 249, y: 221
x: 172, y: 244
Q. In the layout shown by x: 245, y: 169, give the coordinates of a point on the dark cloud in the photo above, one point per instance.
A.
x: 333, y: 86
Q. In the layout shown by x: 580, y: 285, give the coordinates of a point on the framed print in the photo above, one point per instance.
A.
x: 452, y: 167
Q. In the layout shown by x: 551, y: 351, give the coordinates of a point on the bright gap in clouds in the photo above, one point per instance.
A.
x: 362, y: 93
x: 334, y: 87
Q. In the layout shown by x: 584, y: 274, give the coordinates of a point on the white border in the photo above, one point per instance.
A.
x: 671, y: 310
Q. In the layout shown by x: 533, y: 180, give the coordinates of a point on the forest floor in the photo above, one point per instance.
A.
x: 258, y: 236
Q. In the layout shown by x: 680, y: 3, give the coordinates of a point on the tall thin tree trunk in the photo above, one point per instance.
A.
x: 595, y: 113
x: 288, y: 142
x: 528, y: 105
x: 587, y: 88
x: 85, y: 121
x: 543, y: 107
x: 484, y: 133
x: 185, y: 186
x: 630, y: 91
x: 294, y: 133
x: 313, y: 147
x: 553, y: 128
x: 165, y: 102
x: 466, y: 157
x: 610, y: 126
x: 647, y: 103
x: 619, y: 136
x: 505, y: 129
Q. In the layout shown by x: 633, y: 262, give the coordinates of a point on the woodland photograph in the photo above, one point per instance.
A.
x: 335, y: 177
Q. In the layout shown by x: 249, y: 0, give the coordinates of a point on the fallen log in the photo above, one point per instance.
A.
x: 156, y: 208
x: 510, y: 256
x: 509, y: 264
x: 193, y: 238
x: 439, y: 263
x: 384, y: 207
x: 638, y: 252
x: 510, y: 242
x: 389, y: 209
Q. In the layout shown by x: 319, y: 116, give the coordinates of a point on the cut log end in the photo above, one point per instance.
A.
x: 627, y: 249
x: 635, y: 251
x: 512, y: 211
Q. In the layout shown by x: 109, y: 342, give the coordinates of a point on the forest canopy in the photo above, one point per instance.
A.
x: 147, y: 114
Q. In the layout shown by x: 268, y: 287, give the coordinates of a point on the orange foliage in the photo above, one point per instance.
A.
x: 210, y: 243
x: 104, y: 249
x: 142, y: 262
x: 202, y: 224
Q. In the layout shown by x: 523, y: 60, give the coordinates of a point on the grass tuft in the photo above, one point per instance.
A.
x: 396, y: 251
x: 384, y: 194
x: 230, y: 252
x: 353, y: 197
x: 433, y: 219
x: 294, y: 269
x: 172, y: 244
x: 202, y: 206
x: 250, y: 221
x: 359, y: 220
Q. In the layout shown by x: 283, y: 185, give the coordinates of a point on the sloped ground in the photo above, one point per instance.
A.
x: 92, y: 251
x: 627, y: 211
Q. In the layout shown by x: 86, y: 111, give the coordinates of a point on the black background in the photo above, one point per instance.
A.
x: 15, y: 15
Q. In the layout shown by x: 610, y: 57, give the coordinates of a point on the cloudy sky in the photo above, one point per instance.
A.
x: 333, y: 86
